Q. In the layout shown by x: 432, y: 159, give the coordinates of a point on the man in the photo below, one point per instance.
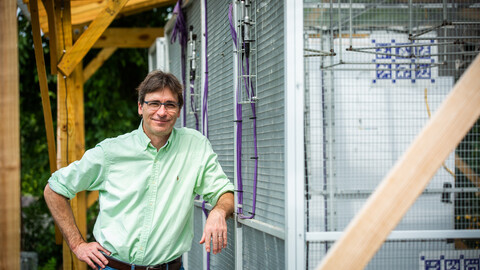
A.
x: 147, y: 180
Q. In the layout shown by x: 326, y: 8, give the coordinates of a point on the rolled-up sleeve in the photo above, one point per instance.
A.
x: 87, y: 173
x: 212, y: 182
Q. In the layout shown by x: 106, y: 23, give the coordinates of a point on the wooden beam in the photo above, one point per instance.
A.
x: 65, y: 112
x: 97, y: 62
x: 83, y: 12
x: 129, y: 37
x: 42, y: 79
x: 81, y: 197
x: 409, y: 177
x: 75, y: 54
x: 52, y: 32
x: 60, y: 46
x: 9, y: 138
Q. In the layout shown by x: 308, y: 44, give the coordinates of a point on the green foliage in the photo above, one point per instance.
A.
x: 110, y: 110
x: 50, y: 265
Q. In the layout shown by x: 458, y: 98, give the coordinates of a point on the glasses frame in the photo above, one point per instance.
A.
x: 148, y: 102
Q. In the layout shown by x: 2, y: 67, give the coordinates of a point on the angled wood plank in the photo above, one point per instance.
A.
x: 83, y: 12
x: 50, y: 13
x: 60, y: 46
x: 9, y: 138
x: 97, y: 62
x: 74, y: 55
x: 42, y: 79
x: 134, y: 37
x: 409, y: 177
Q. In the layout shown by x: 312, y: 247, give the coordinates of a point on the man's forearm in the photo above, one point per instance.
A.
x: 226, y: 204
x: 62, y: 214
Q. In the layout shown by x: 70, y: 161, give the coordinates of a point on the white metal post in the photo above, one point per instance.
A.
x: 294, y: 136
x: 202, y: 83
x: 238, y: 225
x: 204, y: 67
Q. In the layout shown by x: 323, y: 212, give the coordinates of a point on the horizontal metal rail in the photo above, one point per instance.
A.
x: 252, y: 223
x: 402, y: 235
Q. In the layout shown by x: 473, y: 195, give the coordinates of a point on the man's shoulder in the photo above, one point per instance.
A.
x: 186, y: 132
x: 120, y: 139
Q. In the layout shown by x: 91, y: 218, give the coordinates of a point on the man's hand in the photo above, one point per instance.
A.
x: 90, y: 253
x: 63, y: 216
x: 215, y: 230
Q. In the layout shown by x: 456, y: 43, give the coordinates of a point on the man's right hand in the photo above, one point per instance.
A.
x: 91, y: 253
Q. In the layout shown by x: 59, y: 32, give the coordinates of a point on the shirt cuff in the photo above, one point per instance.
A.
x: 59, y: 188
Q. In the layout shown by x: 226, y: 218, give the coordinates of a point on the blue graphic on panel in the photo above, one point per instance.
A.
x: 432, y: 265
x: 392, y: 62
x: 472, y: 264
x: 452, y: 264
x: 450, y: 260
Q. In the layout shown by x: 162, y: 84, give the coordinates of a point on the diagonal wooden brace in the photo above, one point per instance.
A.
x: 409, y: 177
x: 75, y: 54
x: 42, y: 79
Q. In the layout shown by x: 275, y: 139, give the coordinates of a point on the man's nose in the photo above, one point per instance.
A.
x: 162, y: 110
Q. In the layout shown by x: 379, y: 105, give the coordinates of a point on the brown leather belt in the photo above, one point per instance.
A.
x: 117, y: 264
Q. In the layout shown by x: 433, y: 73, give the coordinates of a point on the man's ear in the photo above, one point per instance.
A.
x: 140, y: 109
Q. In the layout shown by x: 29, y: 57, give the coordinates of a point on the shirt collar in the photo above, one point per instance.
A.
x: 145, y: 141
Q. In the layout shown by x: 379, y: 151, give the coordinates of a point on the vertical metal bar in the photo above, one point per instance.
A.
x: 331, y: 25
x: 410, y: 17
x: 330, y: 134
x: 201, y: 113
x: 294, y: 136
x: 351, y: 27
x: 204, y: 68
x: 238, y: 249
x: 340, y: 30
x: 204, y: 252
x: 445, y: 30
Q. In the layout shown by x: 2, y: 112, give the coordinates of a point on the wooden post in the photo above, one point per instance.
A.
x: 409, y: 177
x: 9, y: 138
x: 67, y: 132
x: 81, y: 197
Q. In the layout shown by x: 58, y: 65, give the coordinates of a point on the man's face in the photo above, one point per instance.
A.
x: 158, y: 122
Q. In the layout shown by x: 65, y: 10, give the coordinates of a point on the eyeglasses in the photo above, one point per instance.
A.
x: 154, y: 105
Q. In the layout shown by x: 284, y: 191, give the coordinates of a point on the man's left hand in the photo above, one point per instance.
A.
x: 215, y: 231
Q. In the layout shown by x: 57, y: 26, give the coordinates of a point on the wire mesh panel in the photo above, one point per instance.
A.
x: 174, y: 65
x: 221, y: 107
x: 221, y: 85
x: 269, y: 119
x: 375, y: 72
x: 260, y: 71
x: 195, y: 255
x: 225, y: 259
x: 265, y: 252
x: 194, y: 87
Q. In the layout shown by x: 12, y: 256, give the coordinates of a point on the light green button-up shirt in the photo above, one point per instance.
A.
x: 146, y: 197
